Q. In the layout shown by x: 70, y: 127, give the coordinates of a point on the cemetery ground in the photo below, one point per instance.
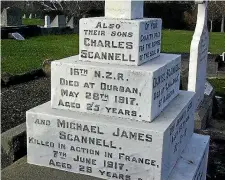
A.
x: 22, y: 56
x: 33, y: 21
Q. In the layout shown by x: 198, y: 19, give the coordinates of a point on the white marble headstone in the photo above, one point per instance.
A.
x: 118, y: 41
x: 223, y: 56
x: 199, y: 55
x: 47, y: 21
x: 124, y: 9
x: 134, y: 92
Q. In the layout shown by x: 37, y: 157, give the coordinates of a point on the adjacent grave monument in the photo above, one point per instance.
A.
x: 198, y: 67
x: 199, y: 55
x: 47, y: 21
x: 58, y: 21
x: 11, y: 16
x: 118, y: 113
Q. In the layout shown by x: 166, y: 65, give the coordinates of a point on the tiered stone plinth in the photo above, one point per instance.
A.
x: 110, y: 147
x: 135, y: 92
x: 116, y: 110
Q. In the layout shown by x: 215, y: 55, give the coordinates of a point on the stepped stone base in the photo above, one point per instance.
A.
x: 111, y: 147
x: 191, y: 166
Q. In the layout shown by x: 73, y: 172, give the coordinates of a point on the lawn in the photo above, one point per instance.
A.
x: 22, y: 56
x: 180, y: 41
x: 219, y: 85
x: 33, y: 21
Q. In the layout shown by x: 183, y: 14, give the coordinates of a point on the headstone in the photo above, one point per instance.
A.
x: 47, y: 22
x: 118, y: 41
x: 113, y: 90
x: 58, y: 21
x: 129, y: 9
x: 199, y: 55
x: 111, y: 115
x: 193, y: 162
x: 223, y: 56
x: 30, y: 16
x: 70, y: 22
x: 24, y: 16
x: 208, y: 88
x: 11, y: 16
x: 16, y: 36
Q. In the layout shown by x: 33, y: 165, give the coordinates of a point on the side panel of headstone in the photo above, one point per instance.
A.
x: 199, y: 55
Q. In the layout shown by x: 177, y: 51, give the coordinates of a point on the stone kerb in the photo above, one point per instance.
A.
x: 118, y: 41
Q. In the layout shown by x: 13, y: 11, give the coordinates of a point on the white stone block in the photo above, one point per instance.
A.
x: 134, y: 92
x: 128, y: 9
x: 193, y: 162
x: 110, y: 147
x: 113, y: 41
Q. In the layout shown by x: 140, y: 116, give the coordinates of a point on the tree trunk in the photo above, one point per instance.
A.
x: 211, y: 25
x: 222, y: 23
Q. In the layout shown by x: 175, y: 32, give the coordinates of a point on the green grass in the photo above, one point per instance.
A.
x: 219, y: 85
x: 33, y: 21
x: 22, y: 56
x: 179, y: 41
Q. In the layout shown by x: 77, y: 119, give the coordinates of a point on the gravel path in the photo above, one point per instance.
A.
x: 17, y: 99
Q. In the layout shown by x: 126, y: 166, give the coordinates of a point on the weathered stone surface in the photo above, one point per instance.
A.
x: 193, y: 162
x: 128, y: 9
x: 135, y: 92
x: 113, y: 41
x: 130, y: 148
